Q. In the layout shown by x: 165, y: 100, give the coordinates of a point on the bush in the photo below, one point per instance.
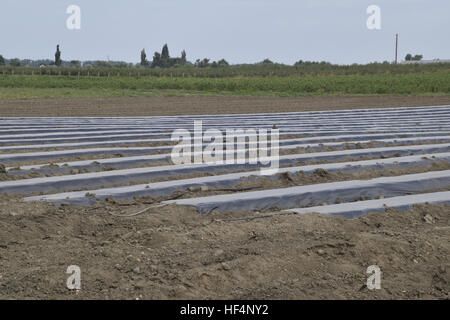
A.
x: 15, y: 62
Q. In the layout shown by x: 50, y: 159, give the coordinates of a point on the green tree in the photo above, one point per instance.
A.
x: 165, y: 52
x: 202, y: 63
x: 2, y: 60
x: 183, y: 57
x: 408, y: 57
x: 144, y: 61
x: 165, y: 57
x: 156, y: 60
x: 15, y: 62
x: 101, y: 64
x: 223, y: 63
x: 417, y: 57
x: 75, y: 63
x: 58, y: 56
x: 122, y: 64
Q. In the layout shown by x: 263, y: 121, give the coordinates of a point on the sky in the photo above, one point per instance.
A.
x: 241, y: 31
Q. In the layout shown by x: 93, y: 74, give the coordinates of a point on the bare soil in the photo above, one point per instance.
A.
x: 154, y: 106
x: 175, y: 253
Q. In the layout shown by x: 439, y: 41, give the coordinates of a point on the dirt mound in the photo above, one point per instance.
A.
x: 175, y: 253
x: 155, y: 106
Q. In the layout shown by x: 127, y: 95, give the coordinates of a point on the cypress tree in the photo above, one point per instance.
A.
x: 58, y: 56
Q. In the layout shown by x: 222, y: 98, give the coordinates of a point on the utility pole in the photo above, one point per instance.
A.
x: 396, y: 48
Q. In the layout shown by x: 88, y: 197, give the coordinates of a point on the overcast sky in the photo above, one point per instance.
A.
x: 238, y: 30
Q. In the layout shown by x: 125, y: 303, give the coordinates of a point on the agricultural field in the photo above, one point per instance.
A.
x: 332, y: 80
x: 238, y: 70
x: 355, y: 187
x: 221, y: 159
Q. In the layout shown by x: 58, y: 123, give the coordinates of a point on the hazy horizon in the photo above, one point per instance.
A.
x: 240, y: 31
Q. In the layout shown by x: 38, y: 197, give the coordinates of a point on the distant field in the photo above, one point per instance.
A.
x: 55, y: 86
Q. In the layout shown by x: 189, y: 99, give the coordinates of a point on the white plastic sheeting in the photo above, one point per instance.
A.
x: 359, y: 208
x: 324, y: 138
x: 379, y: 119
x: 225, y: 180
x: 310, y: 195
x: 318, y: 129
x: 125, y: 162
x: 285, y: 143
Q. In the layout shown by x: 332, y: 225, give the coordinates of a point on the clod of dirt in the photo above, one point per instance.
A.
x: 288, y: 176
x: 51, y: 166
x: 2, y: 168
x: 110, y: 199
x: 218, y: 252
x: 225, y: 266
x: 320, y: 252
x: 428, y: 219
x: 321, y: 172
x: 137, y: 270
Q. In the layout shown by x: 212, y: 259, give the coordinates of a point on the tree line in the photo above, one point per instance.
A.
x: 410, y: 57
x: 163, y: 60
x: 160, y: 60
